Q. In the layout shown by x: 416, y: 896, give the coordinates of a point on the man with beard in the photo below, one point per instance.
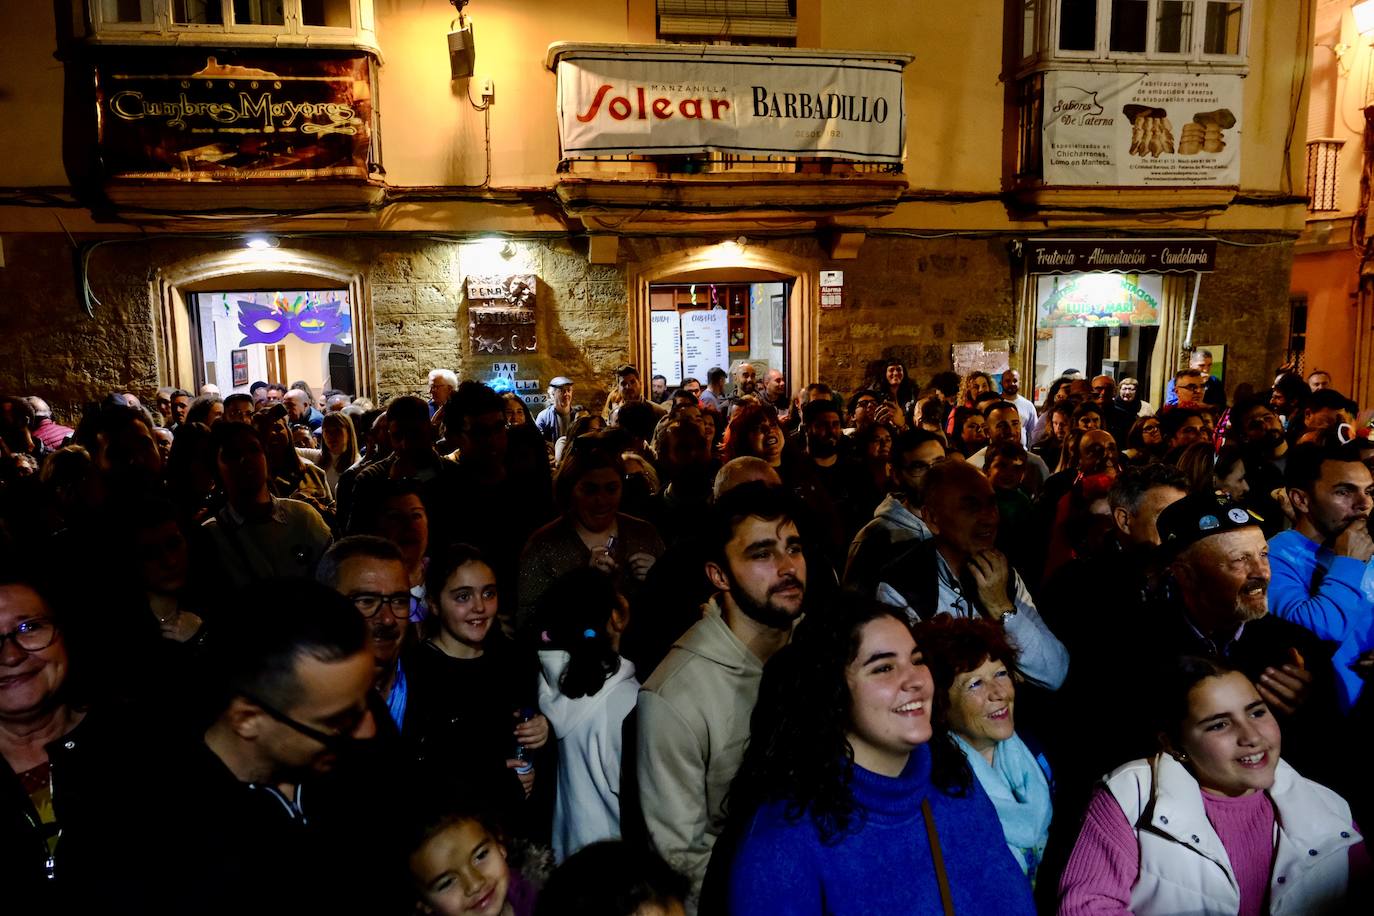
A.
x: 958, y: 571
x: 775, y: 395
x: 1323, y: 578
x: 824, y: 479
x: 693, y: 713
x: 746, y: 385
x: 895, y: 523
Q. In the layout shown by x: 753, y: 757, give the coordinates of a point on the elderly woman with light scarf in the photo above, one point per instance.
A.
x: 974, y: 668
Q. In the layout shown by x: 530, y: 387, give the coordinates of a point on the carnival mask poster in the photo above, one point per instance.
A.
x: 192, y: 116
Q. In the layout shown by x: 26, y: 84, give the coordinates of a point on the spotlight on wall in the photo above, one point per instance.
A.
x: 260, y: 242
x: 462, y: 53
x: 1364, y: 17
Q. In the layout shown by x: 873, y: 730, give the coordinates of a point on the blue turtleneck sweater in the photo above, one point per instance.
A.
x: 883, y: 863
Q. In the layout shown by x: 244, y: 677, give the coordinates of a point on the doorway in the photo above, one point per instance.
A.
x: 275, y: 336
x: 702, y: 325
x: 1096, y: 324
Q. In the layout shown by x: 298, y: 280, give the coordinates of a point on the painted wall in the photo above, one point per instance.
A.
x: 1329, y: 280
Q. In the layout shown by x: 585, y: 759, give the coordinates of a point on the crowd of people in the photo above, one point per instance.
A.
x: 721, y: 648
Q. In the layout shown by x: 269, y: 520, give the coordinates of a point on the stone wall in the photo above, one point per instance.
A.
x: 905, y: 297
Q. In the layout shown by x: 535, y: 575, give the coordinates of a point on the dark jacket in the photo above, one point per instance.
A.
x: 34, y: 881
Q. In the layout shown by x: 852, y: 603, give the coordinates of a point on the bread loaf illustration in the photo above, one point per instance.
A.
x: 1204, y: 134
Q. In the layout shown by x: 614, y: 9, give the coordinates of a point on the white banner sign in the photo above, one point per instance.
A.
x: 665, y: 346
x: 1136, y: 129
x: 666, y: 104
x: 704, y: 342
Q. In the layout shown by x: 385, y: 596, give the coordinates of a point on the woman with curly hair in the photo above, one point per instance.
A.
x: 968, y: 431
x: 847, y: 799
x: 1145, y: 441
x: 753, y: 431
x: 974, y: 666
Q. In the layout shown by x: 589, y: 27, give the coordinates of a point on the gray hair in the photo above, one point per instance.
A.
x: 448, y: 375
x: 350, y: 548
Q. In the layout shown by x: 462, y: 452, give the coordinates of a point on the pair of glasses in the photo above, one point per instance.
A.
x: 369, y: 603
x: 337, y: 741
x: 1191, y: 387
x: 31, y: 635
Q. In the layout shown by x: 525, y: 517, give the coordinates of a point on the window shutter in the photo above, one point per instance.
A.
x: 709, y: 19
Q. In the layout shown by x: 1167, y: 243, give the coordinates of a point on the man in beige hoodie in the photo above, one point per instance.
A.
x: 693, y: 712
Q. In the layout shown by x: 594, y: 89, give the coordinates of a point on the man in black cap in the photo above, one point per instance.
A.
x: 1215, y: 604
x: 553, y: 421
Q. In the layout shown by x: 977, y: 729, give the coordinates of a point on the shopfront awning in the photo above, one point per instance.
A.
x: 1120, y: 255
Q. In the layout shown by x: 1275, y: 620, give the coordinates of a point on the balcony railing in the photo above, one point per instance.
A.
x: 1323, y: 174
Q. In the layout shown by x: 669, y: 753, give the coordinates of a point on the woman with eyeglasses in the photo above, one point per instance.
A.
x: 46, y: 739
x: 1145, y: 441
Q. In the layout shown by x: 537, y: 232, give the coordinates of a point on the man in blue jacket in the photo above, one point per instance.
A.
x: 1322, y: 575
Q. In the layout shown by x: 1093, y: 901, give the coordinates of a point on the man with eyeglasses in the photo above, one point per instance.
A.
x: 1211, y: 391
x: 895, y: 524
x: 240, y: 818
x: 370, y: 572
x: 1189, y: 386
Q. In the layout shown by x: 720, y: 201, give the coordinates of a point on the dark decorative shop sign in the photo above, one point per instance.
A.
x: 1144, y: 256
x: 183, y: 115
x: 501, y: 314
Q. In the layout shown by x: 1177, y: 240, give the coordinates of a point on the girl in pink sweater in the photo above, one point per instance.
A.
x: 1217, y: 823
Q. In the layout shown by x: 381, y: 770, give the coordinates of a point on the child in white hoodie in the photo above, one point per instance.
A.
x: 585, y: 691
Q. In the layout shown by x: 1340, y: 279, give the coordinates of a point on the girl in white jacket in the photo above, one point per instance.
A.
x: 1217, y: 824
x: 585, y: 691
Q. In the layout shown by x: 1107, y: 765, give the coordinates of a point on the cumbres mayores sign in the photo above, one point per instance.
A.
x: 656, y: 100
x: 193, y: 115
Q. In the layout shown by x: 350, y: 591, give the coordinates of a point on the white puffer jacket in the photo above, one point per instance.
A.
x: 1185, y: 869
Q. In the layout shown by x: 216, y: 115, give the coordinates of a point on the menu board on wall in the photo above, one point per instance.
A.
x: 1139, y: 129
x: 665, y: 343
x: 705, y: 342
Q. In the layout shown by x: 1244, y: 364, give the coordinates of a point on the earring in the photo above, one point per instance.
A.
x: 1181, y: 757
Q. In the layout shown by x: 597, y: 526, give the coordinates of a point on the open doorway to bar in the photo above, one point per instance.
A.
x: 275, y: 336
x: 702, y: 325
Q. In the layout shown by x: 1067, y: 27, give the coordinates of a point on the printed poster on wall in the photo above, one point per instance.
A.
x: 1142, y: 129
x: 665, y: 346
x: 657, y: 101
x: 705, y: 343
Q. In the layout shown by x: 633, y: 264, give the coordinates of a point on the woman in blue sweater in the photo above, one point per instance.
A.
x: 856, y: 806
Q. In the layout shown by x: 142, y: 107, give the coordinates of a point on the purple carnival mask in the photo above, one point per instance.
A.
x: 312, y: 322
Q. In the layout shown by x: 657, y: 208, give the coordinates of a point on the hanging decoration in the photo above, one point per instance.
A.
x: 310, y: 319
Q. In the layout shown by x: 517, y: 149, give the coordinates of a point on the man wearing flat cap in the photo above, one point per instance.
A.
x: 553, y: 421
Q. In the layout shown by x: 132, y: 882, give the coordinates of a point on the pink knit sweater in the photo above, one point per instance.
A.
x: 1105, y: 862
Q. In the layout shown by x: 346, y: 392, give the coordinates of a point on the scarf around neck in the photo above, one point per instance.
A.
x: 1020, y: 793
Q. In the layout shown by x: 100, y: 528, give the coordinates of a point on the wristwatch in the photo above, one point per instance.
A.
x: 1007, y: 615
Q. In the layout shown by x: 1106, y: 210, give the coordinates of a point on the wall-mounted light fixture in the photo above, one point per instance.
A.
x: 462, y: 53
x: 260, y: 242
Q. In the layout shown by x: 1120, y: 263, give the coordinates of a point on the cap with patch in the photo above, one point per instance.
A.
x: 560, y: 381
x: 1195, y: 517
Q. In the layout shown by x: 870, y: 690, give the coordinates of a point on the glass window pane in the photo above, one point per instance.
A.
x: 200, y: 12
x: 1130, y: 19
x: 335, y: 14
x: 1174, y: 27
x: 259, y: 12
x: 1222, y: 35
x: 126, y: 10
x: 1077, y: 25
x: 1028, y: 36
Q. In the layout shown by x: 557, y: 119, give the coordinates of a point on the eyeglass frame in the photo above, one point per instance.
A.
x: 392, y: 600
x: 332, y: 742
x: 14, y: 634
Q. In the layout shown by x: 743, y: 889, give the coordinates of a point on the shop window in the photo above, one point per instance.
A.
x: 170, y: 21
x: 737, y: 22
x: 1153, y: 31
